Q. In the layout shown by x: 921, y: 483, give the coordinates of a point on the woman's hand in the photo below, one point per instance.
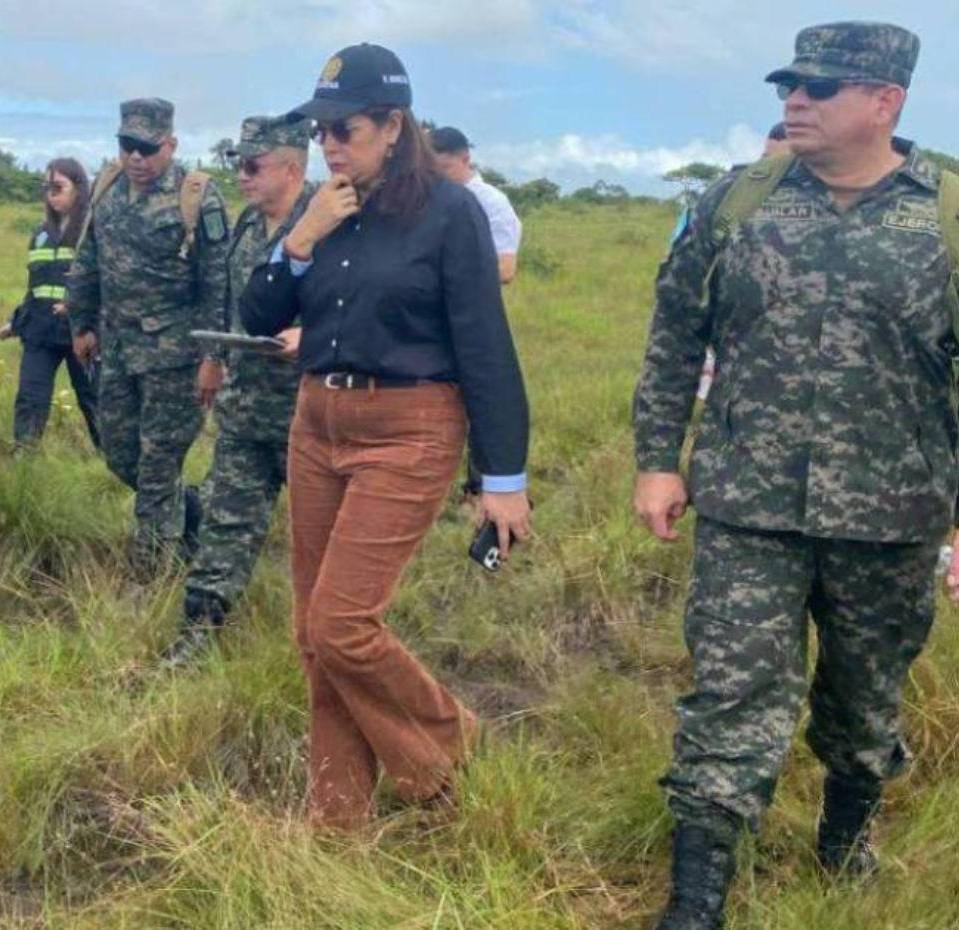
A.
x: 510, y: 512
x: 291, y: 344
x: 328, y: 207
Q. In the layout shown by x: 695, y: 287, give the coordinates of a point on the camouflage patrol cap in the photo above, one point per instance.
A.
x: 853, y: 50
x: 149, y: 119
x: 262, y: 134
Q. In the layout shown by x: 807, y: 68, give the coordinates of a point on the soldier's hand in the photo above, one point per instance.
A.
x: 6, y: 331
x: 952, y: 572
x: 328, y: 207
x: 85, y: 347
x: 291, y: 339
x: 659, y: 500
x: 59, y: 308
x: 209, y: 380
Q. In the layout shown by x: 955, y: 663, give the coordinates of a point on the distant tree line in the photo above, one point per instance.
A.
x: 697, y: 176
x: 17, y: 183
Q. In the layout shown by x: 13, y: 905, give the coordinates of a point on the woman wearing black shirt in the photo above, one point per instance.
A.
x: 393, y: 275
x: 41, y: 320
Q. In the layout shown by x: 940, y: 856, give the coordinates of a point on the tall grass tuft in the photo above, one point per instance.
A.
x: 131, y: 799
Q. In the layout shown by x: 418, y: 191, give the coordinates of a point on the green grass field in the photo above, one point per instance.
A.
x: 133, y: 800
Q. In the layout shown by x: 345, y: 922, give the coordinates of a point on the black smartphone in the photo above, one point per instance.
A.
x: 484, y: 549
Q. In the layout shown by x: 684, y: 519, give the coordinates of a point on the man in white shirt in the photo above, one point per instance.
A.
x: 452, y: 150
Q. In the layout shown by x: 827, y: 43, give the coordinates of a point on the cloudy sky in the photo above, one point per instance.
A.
x: 621, y: 90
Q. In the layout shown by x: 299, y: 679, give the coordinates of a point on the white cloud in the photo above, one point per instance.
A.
x: 575, y: 159
x: 571, y: 159
x: 672, y: 35
x: 218, y: 26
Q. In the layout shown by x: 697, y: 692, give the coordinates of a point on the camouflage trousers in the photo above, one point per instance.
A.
x: 147, y: 424
x: 746, y: 628
x: 244, y: 482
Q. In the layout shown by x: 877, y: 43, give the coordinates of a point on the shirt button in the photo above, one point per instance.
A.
x: 345, y: 263
x: 339, y: 301
x: 333, y: 343
x: 357, y: 227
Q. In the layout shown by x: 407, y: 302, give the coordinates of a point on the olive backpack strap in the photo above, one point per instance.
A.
x: 744, y: 197
x: 747, y: 193
x: 949, y: 225
x: 105, y: 180
x: 192, y: 192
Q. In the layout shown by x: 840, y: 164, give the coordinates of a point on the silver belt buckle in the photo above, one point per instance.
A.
x: 330, y: 380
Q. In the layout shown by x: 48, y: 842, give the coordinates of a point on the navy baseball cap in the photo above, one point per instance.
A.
x: 357, y: 78
x: 448, y: 139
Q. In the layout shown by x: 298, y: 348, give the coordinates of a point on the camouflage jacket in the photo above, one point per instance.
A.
x: 833, y: 409
x: 259, y: 393
x: 131, y: 284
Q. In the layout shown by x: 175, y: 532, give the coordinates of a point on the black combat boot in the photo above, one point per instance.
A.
x: 203, y: 616
x: 192, y: 517
x: 703, y: 867
x: 847, y: 812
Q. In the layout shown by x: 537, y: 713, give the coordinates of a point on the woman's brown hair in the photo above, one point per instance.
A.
x: 410, y: 171
x: 73, y: 171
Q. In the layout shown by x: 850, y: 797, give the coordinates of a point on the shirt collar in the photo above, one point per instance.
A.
x: 165, y: 184
x: 251, y: 216
x: 917, y: 167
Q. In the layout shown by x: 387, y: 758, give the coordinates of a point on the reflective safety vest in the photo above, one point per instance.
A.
x: 47, y: 263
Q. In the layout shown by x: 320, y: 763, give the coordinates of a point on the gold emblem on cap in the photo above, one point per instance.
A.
x: 332, y: 70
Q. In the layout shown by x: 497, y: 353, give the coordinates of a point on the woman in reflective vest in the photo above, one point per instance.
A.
x: 41, y: 320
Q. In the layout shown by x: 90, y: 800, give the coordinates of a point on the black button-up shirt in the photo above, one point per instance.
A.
x: 418, y: 297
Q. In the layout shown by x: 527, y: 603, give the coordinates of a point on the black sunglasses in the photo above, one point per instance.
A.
x: 338, y: 129
x: 53, y: 187
x: 341, y: 131
x: 249, y: 165
x: 131, y: 145
x: 816, y: 88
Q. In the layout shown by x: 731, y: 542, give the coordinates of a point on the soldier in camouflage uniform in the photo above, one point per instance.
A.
x: 824, y: 476
x: 255, y: 407
x: 136, y: 289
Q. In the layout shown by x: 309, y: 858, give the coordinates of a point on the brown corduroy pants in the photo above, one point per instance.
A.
x: 368, y: 474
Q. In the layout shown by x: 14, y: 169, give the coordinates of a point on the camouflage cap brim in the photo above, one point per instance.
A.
x: 249, y: 150
x: 262, y: 134
x: 141, y: 134
x: 815, y: 69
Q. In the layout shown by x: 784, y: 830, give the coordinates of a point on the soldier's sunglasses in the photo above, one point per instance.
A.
x: 817, y: 88
x: 131, y: 145
x: 251, y: 165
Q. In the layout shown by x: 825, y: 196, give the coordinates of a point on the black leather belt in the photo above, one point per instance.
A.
x: 348, y: 381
